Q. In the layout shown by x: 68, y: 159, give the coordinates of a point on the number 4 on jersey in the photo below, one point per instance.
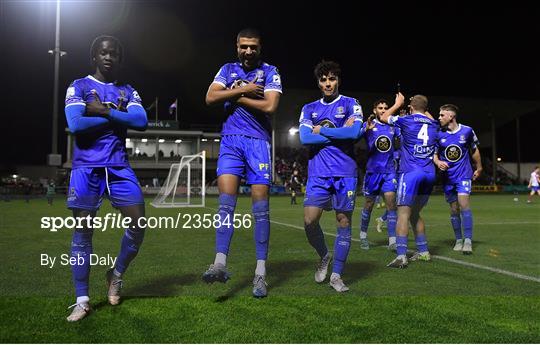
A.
x: 423, y: 134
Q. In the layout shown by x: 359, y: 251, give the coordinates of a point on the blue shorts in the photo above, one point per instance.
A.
x: 338, y: 193
x: 535, y: 189
x: 414, y: 188
x: 87, y: 186
x: 452, y: 189
x: 377, y: 183
x: 246, y: 157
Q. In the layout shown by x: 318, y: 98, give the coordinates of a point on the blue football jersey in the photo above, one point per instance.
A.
x: 380, y: 147
x: 106, y: 146
x: 454, y: 148
x: 418, y: 142
x: 337, y: 158
x: 241, y: 120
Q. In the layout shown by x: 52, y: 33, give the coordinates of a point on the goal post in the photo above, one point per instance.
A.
x: 185, y: 186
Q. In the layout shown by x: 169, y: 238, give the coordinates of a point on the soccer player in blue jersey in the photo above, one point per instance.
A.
x: 250, y: 90
x: 380, y: 172
x: 329, y: 126
x: 416, y: 173
x: 457, y: 144
x: 99, y: 110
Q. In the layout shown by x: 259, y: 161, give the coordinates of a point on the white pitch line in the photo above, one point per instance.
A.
x: 444, y: 258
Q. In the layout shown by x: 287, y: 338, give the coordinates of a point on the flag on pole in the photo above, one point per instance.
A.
x: 172, y: 107
x: 152, y: 106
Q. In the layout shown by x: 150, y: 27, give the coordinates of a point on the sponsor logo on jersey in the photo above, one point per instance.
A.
x: 452, y: 153
x: 276, y: 79
x: 327, y: 123
x: 314, y: 115
x: 263, y: 166
x: 383, y: 143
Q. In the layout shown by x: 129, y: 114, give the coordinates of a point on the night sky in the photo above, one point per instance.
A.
x: 174, y: 48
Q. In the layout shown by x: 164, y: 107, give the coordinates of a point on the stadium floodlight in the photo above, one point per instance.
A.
x: 499, y: 159
x: 144, y: 140
x: 185, y: 185
x: 178, y: 141
x: 128, y: 140
x: 204, y: 139
x: 293, y: 130
x: 14, y: 176
x: 161, y: 140
x: 216, y: 140
x: 57, y: 54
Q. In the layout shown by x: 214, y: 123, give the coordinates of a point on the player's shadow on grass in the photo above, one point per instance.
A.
x: 241, y: 283
x: 280, y: 272
x: 163, y: 286
x: 358, y: 270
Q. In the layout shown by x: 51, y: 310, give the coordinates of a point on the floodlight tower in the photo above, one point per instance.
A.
x: 54, y: 158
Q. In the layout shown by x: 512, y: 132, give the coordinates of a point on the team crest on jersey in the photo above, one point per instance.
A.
x: 340, y: 112
x: 327, y: 123
x: 234, y: 75
x: 276, y: 79
x: 260, y: 75
x: 453, y: 153
x: 383, y: 143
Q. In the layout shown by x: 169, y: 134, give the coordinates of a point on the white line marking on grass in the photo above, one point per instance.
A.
x: 444, y: 258
x: 487, y: 268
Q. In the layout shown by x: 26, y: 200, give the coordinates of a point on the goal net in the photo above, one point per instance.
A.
x: 185, y: 184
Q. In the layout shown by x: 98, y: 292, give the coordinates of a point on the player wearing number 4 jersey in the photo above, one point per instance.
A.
x: 457, y: 143
x: 416, y: 173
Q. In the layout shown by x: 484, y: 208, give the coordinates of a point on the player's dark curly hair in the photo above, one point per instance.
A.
x: 380, y: 101
x: 96, y: 44
x: 326, y: 67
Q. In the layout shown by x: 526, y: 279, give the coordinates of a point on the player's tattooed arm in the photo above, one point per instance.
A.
x: 268, y: 104
x: 398, y: 103
x: 443, y: 166
x: 477, y: 163
x: 217, y: 93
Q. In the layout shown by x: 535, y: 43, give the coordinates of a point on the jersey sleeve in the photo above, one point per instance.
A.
x: 305, y: 119
x: 355, y: 111
x: 273, y: 81
x: 221, y: 76
x: 396, y: 120
x: 134, y: 98
x: 473, y: 140
x: 75, y: 95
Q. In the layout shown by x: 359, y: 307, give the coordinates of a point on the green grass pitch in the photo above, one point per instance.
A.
x: 442, y: 301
